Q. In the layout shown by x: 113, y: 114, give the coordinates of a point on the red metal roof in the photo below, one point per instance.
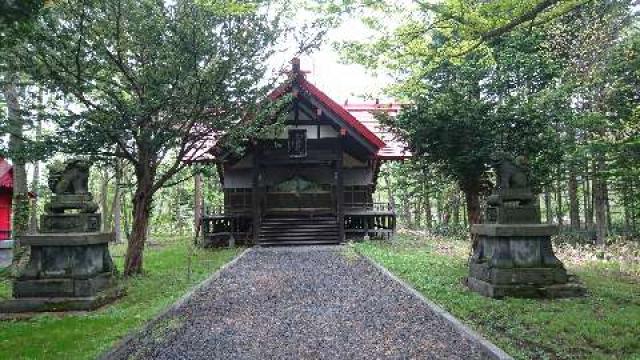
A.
x: 6, y: 175
x: 365, y: 113
x: 343, y: 113
x: 360, y: 117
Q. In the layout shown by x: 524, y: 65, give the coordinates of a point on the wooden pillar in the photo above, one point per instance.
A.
x: 256, y: 194
x: 340, y: 189
x: 197, y: 203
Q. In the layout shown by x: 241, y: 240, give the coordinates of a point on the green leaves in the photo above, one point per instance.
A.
x: 230, y: 7
x: 147, y: 72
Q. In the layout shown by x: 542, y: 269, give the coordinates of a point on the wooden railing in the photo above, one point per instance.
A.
x: 370, y: 206
x: 221, y: 227
x: 375, y: 220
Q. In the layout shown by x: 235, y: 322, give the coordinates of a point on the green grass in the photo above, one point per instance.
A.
x: 604, y: 325
x: 84, y: 336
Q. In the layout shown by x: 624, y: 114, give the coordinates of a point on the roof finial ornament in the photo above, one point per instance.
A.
x: 295, y: 62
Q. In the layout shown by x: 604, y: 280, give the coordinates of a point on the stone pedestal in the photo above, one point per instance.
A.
x: 69, y: 266
x: 512, y: 253
x: 6, y: 253
x: 517, y: 260
x: 65, y: 265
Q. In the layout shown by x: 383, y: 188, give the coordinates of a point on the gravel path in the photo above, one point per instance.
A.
x: 302, y: 303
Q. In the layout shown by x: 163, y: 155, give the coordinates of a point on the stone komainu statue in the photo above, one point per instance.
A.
x: 512, y: 201
x: 72, y: 177
x: 512, y: 180
x: 512, y: 175
x: 69, y: 182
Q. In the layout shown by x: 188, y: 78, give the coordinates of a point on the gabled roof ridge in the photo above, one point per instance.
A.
x: 342, y: 112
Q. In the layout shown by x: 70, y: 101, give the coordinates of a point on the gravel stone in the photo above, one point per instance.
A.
x: 302, y: 303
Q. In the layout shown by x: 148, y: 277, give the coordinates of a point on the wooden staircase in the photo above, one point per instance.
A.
x: 290, y: 230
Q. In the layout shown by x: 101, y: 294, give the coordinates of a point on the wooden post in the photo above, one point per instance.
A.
x: 256, y: 194
x: 340, y: 189
x: 197, y: 203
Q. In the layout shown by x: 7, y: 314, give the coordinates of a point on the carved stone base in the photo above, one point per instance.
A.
x: 553, y: 291
x: 6, y: 253
x: 518, y: 260
x: 65, y: 265
x: 513, y: 215
x: 62, y: 287
x: 507, y: 246
x: 80, y: 202
x: 67, y: 256
x: 517, y: 276
x: 50, y: 304
x: 70, y: 223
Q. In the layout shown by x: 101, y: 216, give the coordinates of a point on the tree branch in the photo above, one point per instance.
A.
x: 527, y: 16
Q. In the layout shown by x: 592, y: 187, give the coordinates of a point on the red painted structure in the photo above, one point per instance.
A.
x: 6, y: 195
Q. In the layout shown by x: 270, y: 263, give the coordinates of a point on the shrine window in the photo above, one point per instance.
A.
x: 297, y: 143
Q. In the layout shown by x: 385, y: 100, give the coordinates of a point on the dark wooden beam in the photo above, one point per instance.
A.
x: 304, y: 122
x: 256, y: 194
x: 340, y: 190
x: 298, y: 162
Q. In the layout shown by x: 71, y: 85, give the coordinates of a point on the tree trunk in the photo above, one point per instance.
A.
x: 390, y: 195
x: 472, y: 197
x: 587, y: 195
x: 607, y: 206
x: 142, y: 199
x: 559, y: 208
x: 456, y: 208
x: 633, y: 207
x: 439, y: 208
x: 116, y: 207
x: 588, y: 198
x: 104, y: 188
x: 35, y: 180
x: 574, y: 205
x: 626, y: 205
x: 599, y: 193
x: 406, y: 209
x: 547, y: 206
x: 446, y: 210
x: 35, y: 186
x: 15, y: 124
x: 197, y: 202
x: 417, y: 213
x: 427, y: 204
x: 465, y: 219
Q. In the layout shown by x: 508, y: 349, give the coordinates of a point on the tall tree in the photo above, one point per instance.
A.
x: 447, y: 126
x: 154, y: 80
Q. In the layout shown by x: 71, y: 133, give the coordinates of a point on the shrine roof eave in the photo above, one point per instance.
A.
x: 393, y: 157
x: 331, y: 105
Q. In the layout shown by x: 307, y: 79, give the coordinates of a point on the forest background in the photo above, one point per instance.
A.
x: 556, y: 81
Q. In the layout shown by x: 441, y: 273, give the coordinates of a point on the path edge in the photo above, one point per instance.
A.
x: 490, y: 349
x: 116, y: 350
